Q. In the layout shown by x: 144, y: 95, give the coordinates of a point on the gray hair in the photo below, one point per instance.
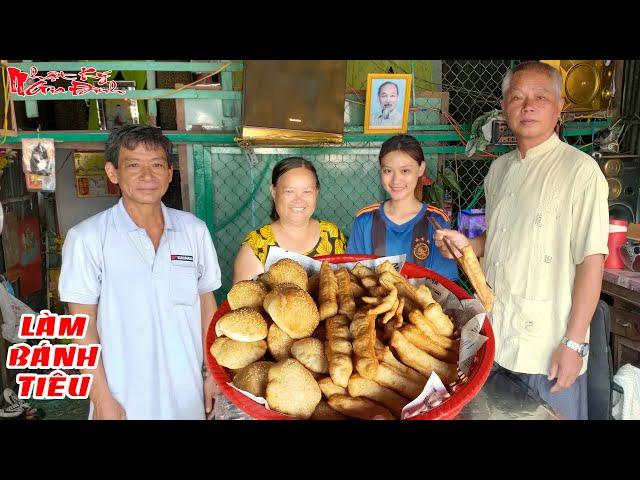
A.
x: 534, y: 66
x: 388, y: 83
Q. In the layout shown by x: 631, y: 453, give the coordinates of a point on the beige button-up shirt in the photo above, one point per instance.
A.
x: 545, y: 212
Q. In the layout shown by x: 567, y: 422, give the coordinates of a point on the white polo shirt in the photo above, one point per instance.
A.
x: 546, y: 212
x: 149, y: 320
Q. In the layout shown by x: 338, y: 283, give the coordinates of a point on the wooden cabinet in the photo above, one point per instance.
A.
x: 625, y: 331
x: 625, y: 325
x: 625, y: 351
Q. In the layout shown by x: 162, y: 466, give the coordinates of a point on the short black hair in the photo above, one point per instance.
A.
x: 130, y: 136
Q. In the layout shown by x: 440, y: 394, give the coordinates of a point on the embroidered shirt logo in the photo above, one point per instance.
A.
x: 183, y: 258
x: 421, y: 249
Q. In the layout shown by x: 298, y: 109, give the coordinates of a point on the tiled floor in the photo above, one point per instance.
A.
x: 65, y: 409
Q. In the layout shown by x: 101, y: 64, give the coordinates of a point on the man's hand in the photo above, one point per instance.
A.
x: 456, y: 238
x: 210, y: 392
x: 108, y: 409
x: 565, y: 366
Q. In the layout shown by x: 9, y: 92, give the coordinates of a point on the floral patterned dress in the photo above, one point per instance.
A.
x: 332, y: 241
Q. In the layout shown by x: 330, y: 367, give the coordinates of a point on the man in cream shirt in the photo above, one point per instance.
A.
x: 545, y: 244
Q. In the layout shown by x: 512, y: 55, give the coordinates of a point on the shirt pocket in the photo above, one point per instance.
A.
x: 531, y: 317
x: 183, y: 285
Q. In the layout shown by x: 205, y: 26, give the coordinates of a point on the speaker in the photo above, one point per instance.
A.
x: 293, y: 102
x: 586, y: 84
x: 623, y: 176
x: 501, y: 134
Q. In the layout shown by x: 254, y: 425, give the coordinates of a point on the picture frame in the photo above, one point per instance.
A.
x: 91, y: 178
x: 115, y: 112
x: 39, y: 164
x: 387, y: 103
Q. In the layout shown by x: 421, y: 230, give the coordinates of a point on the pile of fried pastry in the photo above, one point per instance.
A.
x: 339, y: 344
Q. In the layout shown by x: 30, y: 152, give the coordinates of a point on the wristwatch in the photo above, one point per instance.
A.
x: 581, y: 348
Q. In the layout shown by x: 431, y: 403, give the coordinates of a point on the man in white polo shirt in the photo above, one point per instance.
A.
x: 145, y: 275
x: 544, y: 248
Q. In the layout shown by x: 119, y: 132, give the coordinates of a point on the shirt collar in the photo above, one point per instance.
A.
x: 408, y: 224
x: 549, y: 144
x: 124, y: 223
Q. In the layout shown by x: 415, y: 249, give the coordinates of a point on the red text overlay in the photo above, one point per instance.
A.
x: 87, y: 80
x: 44, y: 355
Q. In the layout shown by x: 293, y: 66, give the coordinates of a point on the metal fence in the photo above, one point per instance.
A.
x: 470, y: 172
x: 241, y: 201
x: 232, y: 186
x: 474, y: 86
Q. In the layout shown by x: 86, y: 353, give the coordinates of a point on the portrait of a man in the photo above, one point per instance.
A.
x: 388, y: 114
x: 387, y: 103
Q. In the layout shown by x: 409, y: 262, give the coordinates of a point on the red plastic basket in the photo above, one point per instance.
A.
x: 447, y: 410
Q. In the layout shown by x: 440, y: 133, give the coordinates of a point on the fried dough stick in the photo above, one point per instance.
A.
x: 346, y: 303
x: 328, y: 292
x: 420, y: 360
x: 363, y: 332
x: 417, y: 318
x: 477, y: 278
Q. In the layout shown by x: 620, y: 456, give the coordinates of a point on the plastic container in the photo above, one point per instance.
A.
x: 447, y: 410
x: 617, y: 238
x: 472, y: 222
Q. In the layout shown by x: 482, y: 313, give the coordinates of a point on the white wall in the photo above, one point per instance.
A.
x: 72, y: 209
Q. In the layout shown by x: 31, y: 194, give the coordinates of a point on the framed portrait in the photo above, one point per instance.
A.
x: 387, y: 103
x: 91, y: 179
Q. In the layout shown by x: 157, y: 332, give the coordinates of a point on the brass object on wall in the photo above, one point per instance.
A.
x: 586, y: 84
